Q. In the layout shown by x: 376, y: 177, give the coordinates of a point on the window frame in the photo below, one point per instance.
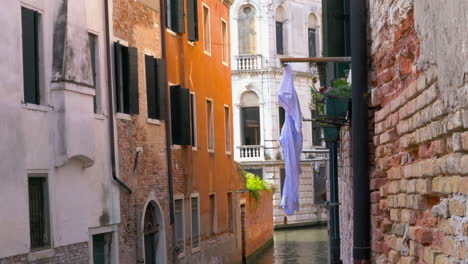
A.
x: 224, y: 42
x: 227, y: 130
x: 230, y: 211
x: 210, y: 129
x: 47, y: 216
x: 97, y: 79
x: 197, y: 197
x: 278, y: 51
x: 180, y: 197
x: 206, y: 44
x: 214, y: 227
x: 119, y: 88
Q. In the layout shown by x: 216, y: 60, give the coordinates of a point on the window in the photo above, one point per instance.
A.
x: 312, y: 32
x: 180, y: 115
x: 212, y: 214
x: 312, y: 49
x: 250, y: 118
x: 175, y: 15
x: 195, y: 222
x: 192, y: 20
x: 179, y: 225
x: 279, y: 38
x: 151, y: 231
x: 316, y: 131
x: 255, y: 171
x: 94, y: 51
x: 247, y: 30
x: 227, y: 128
x: 282, y: 178
x: 102, y: 247
x: 282, y: 116
x: 225, y: 41
x: 206, y: 30
x: 155, y: 87
x: 126, y: 79
x: 210, y: 123
x: 250, y: 125
x: 320, y: 188
x: 193, y: 119
x: 30, y: 21
x: 39, y: 212
x: 280, y: 19
x: 230, y: 212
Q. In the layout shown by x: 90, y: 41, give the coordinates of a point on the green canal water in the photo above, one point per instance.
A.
x: 296, y: 246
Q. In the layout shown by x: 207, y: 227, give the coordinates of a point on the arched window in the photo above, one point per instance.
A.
x: 250, y: 119
x: 280, y: 18
x: 247, y: 32
x: 312, y: 32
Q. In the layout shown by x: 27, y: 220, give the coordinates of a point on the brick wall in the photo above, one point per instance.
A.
x: 139, y: 25
x: 417, y: 79
x: 76, y: 254
x: 259, y: 222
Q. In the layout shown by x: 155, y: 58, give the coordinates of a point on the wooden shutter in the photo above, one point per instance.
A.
x: 29, y: 19
x: 162, y: 88
x: 180, y: 115
x: 177, y: 16
x: 118, y: 77
x: 174, y: 115
x: 192, y: 20
x: 184, y: 104
x: 133, y: 80
x: 279, y: 38
x: 150, y: 86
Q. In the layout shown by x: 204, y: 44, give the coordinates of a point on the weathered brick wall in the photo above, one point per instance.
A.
x: 73, y: 254
x: 259, y: 222
x: 418, y: 81
x: 139, y: 25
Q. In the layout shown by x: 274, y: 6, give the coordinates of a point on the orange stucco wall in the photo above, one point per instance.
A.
x: 196, y: 169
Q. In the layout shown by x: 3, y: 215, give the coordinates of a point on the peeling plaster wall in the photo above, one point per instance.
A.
x: 79, y: 198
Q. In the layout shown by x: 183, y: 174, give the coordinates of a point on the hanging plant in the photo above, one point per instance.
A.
x: 255, y: 185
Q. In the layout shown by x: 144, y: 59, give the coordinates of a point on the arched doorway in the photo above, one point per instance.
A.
x: 153, y: 232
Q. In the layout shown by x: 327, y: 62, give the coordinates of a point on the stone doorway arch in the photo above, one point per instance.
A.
x: 154, y: 238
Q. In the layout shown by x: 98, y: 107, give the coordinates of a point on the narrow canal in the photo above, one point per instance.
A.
x: 297, y: 246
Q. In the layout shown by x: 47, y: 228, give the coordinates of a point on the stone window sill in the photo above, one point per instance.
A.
x: 123, y: 116
x: 153, y: 121
x: 35, y: 107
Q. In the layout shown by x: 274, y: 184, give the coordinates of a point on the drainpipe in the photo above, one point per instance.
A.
x: 360, y: 133
x: 110, y: 103
x: 162, y: 17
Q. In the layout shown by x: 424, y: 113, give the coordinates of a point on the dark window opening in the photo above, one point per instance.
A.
x: 192, y: 20
x: 102, y: 248
x: 212, y: 214
x: 39, y: 213
x: 316, y: 131
x: 282, y: 178
x: 180, y: 115
x: 282, y: 116
x: 175, y: 15
x: 126, y: 79
x: 279, y: 38
x: 255, y: 171
x: 251, y: 125
x: 155, y: 87
x: 312, y: 48
x: 320, y: 190
x: 93, y: 48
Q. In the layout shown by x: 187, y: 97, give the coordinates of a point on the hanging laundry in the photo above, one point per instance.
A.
x: 291, y: 140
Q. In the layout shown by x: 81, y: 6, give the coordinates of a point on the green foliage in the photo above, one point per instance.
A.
x: 255, y: 185
x: 341, y: 88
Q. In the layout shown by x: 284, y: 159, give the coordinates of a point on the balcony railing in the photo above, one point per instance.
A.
x: 251, y: 153
x: 248, y: 62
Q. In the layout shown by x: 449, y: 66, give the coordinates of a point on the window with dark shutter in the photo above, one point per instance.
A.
x: 126, y: 79
x: 282, y: 178
x: 162, y: 86
x: 30, y: 28
x: 176, y: 19
x: 180, y: 115
x: 279, y: 38
x: 192, y: 20
x: 151, y: 87
x: 39, y: 212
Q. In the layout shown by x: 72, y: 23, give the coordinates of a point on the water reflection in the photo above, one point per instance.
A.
x: 297, y: 246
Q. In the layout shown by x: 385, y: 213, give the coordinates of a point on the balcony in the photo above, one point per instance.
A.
x: 247, y: 63
x: 251, y: 153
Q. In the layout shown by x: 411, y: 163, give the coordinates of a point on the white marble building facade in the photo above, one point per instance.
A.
x: 263, y: 31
